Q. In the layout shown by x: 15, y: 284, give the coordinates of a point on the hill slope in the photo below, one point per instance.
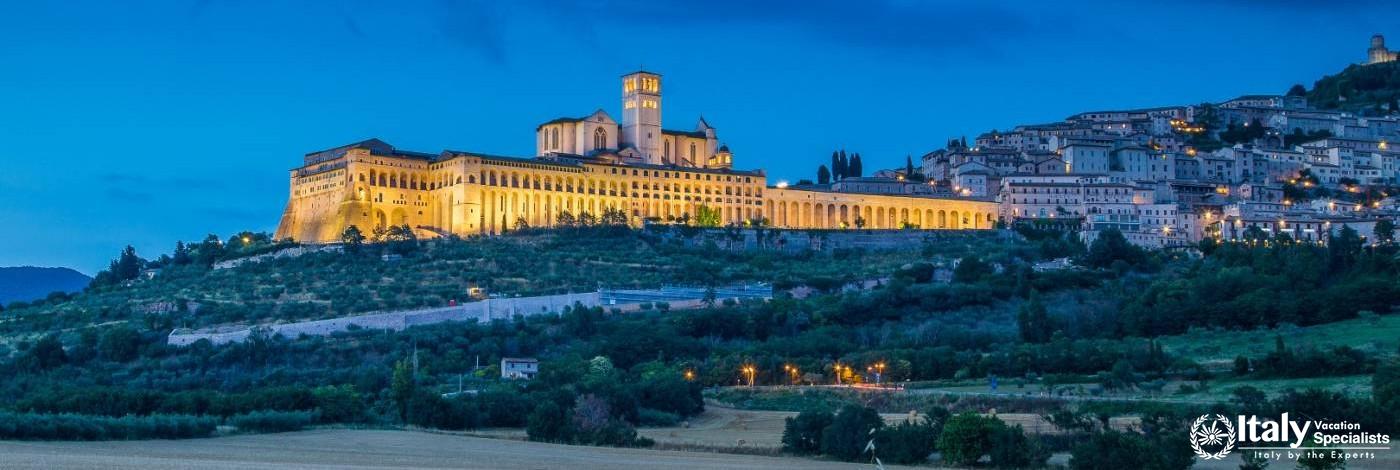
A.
x: 1364, y: 89
x: 25, y: 283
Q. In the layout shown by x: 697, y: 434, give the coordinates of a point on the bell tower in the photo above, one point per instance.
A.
x: 641, y: 114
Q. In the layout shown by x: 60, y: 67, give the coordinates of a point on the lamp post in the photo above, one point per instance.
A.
x: 749, y: 370
x: 879, y: 371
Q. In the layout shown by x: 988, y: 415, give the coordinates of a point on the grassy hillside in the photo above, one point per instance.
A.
x: 329, y: 284
x: 1364, y: 89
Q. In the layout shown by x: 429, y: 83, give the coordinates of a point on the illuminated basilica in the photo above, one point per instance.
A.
x: 590, y: 164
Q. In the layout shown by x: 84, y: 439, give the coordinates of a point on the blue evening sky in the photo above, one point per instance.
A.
x: 150, y: 122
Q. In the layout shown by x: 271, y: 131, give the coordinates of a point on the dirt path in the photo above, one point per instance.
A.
x: 372, y: 449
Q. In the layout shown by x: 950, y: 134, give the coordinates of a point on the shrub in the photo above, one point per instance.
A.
x: 965, y: 439
x: 909, y: 442
x: 651, y: 417
x: 803, y: 433
x: 66, y: 426
x: 339, y: 404
x: 850, y: 432
x: 273, y: 421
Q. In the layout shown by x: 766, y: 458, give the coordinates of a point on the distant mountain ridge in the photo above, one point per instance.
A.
x: 26, y: 283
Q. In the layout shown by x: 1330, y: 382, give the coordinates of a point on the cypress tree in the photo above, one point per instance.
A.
x: 835, y: 165
x: 823, y: 175
x: 843, y: 168
x: 856, y: 166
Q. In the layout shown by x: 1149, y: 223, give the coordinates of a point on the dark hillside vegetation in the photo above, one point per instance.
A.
x: 1369, y: 90
x: 1095, y: 328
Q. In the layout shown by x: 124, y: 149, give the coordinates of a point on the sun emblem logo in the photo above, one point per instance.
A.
x: 1212, y: 434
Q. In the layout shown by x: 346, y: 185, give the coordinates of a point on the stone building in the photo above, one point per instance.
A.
x: 1378, y: 53
x: 583, y: 165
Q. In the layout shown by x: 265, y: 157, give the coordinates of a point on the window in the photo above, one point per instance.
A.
x: 692, y: 152
x: 554, y: 138
x: 600, y: 138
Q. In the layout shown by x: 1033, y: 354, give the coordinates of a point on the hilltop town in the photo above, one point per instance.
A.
x: 1249, y: 167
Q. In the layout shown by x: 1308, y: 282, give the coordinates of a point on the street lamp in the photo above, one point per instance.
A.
x: 749, y: 370
x: 879, y: 370
x: 689, y: 375
x: 792, y: 372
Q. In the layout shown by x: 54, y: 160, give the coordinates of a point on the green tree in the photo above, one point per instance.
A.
x: 353, y: 238
x: 401, y: 239
x: 339, y: 404
x: 1011, y: 448
x: 1297, y: 90
x: 823, y: 175
x: 565, y: 219
x: 910, y: 442
x: 549, y: 422
x: 119, y: 344
x: 182, y: 254
x: 1385, y: 231
x: 843, y: 167
x: 1111, y: 246
x: 403, y: 387
x: 614, y: 217
x: 1033, y: 320
x: 971, y: 269
x: 803, y: 434
x: 965, y: 439
x: 1114, y: 449
x: 45, y: 354
x: 850, y: 431
x: 835, y: 166
x: 856, y: 168
x: 706, y: 216
x: 1385, y: 386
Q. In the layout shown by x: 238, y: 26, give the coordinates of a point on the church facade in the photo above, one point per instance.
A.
x: 588, y: 164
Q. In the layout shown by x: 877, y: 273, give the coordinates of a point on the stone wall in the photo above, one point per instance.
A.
x: 827, y: 240
x: 483, y: 311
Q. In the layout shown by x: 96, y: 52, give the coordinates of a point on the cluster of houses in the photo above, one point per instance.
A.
x: 1143, y: 171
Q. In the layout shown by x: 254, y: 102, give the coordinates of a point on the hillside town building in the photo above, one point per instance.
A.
x: 1137, y: 170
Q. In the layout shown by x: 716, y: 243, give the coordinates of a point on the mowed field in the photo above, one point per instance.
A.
x: 373, y: 449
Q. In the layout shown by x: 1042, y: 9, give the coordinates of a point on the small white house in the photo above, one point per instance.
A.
x: 519, y: 368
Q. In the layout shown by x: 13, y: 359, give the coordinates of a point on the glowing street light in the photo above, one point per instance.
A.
x: 689, y: 375
x: 792, y: 372
x: 750, y: 371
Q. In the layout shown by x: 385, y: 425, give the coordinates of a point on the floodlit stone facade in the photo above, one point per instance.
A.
x: 584, y: 165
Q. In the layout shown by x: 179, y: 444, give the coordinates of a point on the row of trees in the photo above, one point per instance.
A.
x: 859, y: 433
x: 841, y: 168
